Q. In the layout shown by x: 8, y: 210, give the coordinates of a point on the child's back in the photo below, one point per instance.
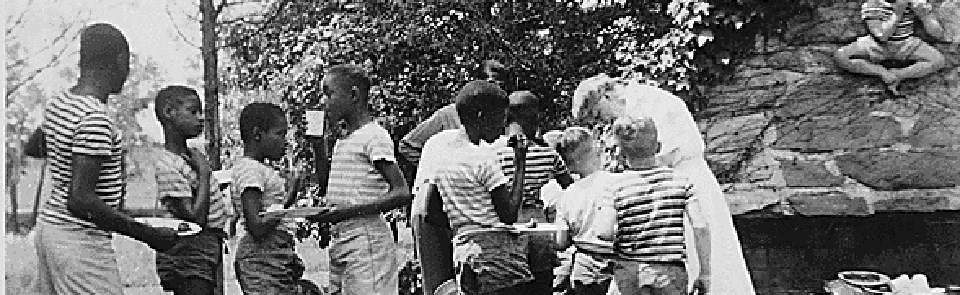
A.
x: 650, y: 205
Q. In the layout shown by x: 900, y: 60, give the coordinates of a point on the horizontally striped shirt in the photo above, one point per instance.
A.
x: 354, y: 180
x: 79, y: 125
x: 650, y: 205
x: 176, y: 179
x: 465, y: 174
x: 412, y: 144
x: 543, y: 163
x: 883, y: 10
x: 250, y: 173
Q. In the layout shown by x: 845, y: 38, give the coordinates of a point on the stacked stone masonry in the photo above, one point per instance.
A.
x: 813, y: 139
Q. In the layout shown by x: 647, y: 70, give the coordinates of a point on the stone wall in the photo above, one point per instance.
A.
x: 811, y: 139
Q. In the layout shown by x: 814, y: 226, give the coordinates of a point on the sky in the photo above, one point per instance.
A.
x: 146, y: 24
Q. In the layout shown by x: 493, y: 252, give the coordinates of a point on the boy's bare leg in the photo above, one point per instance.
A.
x: 850, y: 58
x: 927, y: 60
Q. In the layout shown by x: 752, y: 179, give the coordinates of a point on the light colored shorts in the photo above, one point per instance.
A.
x: 76, y: 260
x: 270, y: 266
x: 363, y: 257
x: 891, y: 50
x: 650, y: 278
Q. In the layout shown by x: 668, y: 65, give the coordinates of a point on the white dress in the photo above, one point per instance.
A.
x: 682, y: 149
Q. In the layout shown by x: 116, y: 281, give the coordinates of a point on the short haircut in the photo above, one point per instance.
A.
x: 100, y: 45
x: 171, y: 96
x: 524, y: 99
x: 479, y: 96
x: 636, y: 137
x: 572, y: 141
x: 354, y: 74
x: 261, y: 115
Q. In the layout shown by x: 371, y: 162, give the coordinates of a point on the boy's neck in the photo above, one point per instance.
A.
x: 175, y: 142
x: 357, y: 120
x: 253, y: 153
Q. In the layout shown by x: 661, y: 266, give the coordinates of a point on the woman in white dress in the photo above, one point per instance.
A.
x: 602, y: 99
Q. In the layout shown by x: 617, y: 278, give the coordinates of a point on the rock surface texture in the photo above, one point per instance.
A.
x: 806, y: 137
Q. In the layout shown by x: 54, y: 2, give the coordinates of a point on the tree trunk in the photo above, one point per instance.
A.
x: 208, y: 49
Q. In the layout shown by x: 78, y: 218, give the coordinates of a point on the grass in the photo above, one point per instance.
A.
x: 138, y: 267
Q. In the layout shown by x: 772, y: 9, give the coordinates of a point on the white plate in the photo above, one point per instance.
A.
x: 298, y: 212
x: 540, y: 228
x: 171, y: 223
x: 855, y: 277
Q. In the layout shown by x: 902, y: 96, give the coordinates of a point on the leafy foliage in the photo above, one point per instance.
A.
x: 420, y: 53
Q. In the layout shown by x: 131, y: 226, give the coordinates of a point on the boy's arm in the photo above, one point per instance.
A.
x: 83, y: 202
x: 251, y: 200
x: 398, y: 195
x: 36, y: 146
x: 506, y: 201
x: 434, y: 207
x: 931, y: 24
x: 177, y: 195
x: 880, y: 26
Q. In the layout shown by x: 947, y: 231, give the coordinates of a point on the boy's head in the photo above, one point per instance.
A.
x: 105, y: 50
x: 345, y: 89
x: 263, y: 129
x: 579, y: 149
x: 524, y: 110
x: 495, y: 72
x: 482, y: 108
x: 179, y: 110
x: 636, y: 138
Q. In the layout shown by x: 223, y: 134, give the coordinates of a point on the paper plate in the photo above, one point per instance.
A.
x: 864, y: 278
x: 183, y: 228
x: 298, y: 212
x: 539, y: 228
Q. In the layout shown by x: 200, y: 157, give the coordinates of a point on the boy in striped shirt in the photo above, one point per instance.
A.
x: 478, y: 200
x: 184, y: 187
x: 543, y: 164
x: 891, y: 27
x: 365, y: 180
x: 639, y: 217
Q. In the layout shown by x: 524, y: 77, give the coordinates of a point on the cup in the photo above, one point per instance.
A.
x: 314, y: 123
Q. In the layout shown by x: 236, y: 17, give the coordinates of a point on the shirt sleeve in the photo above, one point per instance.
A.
x: 559, y: 166
x: 380, y: 146
x: 245, y: 177
x: 171, y: 183
x: 412, y: 144
x: 489, y: 175
x: 95, y: 136
x: 875, y: 10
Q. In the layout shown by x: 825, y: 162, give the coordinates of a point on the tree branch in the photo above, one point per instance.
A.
x: 177, y: 28
x: 19, y: 21
x: 52, y: 62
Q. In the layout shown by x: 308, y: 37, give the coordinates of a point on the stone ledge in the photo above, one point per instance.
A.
x: 838, y: 201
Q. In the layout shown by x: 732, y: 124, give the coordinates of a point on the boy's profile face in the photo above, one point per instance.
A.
x: 187, y: 116
x: 273, y: 140
x: 337, y: 97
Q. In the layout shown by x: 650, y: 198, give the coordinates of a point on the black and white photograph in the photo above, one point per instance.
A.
x: 447, y: 147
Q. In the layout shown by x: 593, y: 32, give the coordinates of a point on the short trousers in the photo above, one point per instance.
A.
x: 270, y: 266
x: 76, y: 260
x: 490, y: 261
x: 363, y: 257
x: 877, y: 52
x: 197, y: 257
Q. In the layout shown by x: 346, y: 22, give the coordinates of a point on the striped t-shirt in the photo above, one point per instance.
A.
x: 79, y: 125
x: 543, y: 163
x: 176, y: 179
x: 354, y: 180
x: 465, y: 174
x: 883, y: 10
x: 650, y: 205
x: 412, y: 144
x: 250, y: 173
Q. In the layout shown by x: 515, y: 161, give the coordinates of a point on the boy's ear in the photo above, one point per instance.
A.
x: 355, y: 94
x: 257, y: 132
x: 166, y: 112
x: 659, y: 146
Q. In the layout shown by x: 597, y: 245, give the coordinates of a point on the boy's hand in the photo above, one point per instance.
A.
x: 163, y: 239
x: 334, y: 214
x: 561, y: 283
x: 199, y: 162
x: 701, y: 284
